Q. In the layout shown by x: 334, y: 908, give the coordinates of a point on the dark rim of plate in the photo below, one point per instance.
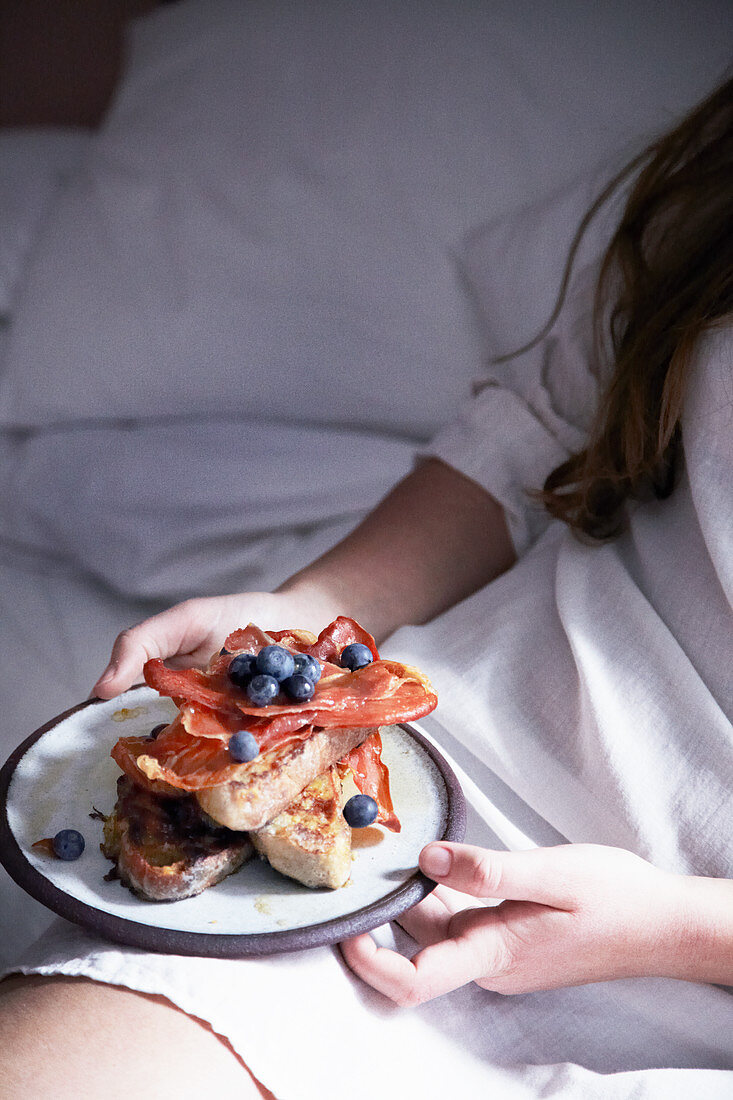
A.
x: 219, y: 945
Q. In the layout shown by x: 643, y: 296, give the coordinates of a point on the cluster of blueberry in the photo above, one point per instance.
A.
x: 264, y: 675
x: 274, y: 669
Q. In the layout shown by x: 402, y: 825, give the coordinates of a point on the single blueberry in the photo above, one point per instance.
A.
x: 68, y: 844
x: 157, y: 730
x: 308, y: 666
x: 276, y: 661
x: 355, y: 656
x: 262, y: 689
x: 360, y: 811
x: 299, y: 687
x: 241, y: 669
x: 243, y: 746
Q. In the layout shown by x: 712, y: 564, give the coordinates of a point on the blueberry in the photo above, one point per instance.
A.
x: 360, y: 811
x: 241, y: 669
x: 262, y: 689
x: 243, y: 746
x: 157, y: 730
x: 308, y: 666
x: 68, y: 844
x: 355, y: 656
x: 299, y: 687
x: 276, y: 661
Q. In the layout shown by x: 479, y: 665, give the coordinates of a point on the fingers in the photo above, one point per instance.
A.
x: 429, y: 921
x: 176, y: 630
x: 538, y: 874
x: 475, y: 950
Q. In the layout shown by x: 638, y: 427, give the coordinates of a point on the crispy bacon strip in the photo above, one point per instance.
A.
x: 326, y: 647
x: 177, y: 762
x: 371, y: 776
x: 382, y: 693
x: 192, y: 753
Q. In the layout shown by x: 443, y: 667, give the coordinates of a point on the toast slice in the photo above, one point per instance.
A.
x: 268, y: 784
x: 165, y: 849
x: 310, y: 841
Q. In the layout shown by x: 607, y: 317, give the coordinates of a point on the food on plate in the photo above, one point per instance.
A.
x: 165, y: 848
x: 310, y: 840
x: 67, y: 844
x: 360, y: 811
x: 261, y: 744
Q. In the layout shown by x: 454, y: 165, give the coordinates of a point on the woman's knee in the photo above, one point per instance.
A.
x: 72, y: 1037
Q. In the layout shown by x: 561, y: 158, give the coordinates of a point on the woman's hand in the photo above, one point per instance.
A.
x: 435, y: 539
x: 191, y: 631
x: 573, y: 914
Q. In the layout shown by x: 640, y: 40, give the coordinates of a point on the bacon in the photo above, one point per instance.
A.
x: 202, y: 722
x: 381, y: 693
x: 177, y: 762
x: 326, y: 647
x: 249, y: 638
x: 210, y: 690
x: 126, y: 753
x: 192, y: 754
x: 338, y: 634
x: 371, y: 776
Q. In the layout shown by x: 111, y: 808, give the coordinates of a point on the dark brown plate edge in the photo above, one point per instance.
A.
x: 220, y: 945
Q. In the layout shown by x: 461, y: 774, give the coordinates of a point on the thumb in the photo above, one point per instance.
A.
x: 162, y: 635
x: 532, y: 875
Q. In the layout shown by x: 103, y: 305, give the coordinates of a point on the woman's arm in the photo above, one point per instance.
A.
x: 573, y: 914
x: 435, y: 539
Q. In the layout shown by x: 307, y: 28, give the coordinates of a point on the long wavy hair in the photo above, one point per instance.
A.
x: 666, y: 276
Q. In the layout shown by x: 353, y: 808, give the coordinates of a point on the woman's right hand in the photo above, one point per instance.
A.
x: 190, y: 632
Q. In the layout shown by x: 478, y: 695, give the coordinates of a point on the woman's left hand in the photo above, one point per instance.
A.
x: 572, y: 914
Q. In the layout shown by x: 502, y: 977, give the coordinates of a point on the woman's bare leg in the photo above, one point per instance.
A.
x: 70, y: 1038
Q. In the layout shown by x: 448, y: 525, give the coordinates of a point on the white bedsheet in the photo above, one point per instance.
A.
x: 176, y: 507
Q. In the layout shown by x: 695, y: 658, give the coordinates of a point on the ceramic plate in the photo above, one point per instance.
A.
x: 63, y: 773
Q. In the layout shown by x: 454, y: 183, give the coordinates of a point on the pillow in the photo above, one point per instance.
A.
x: 236, y: 245
x: 161, y: 511
x: 266, y: 224
x: 34, y: 164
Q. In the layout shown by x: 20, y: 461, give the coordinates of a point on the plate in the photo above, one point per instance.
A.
x: 63, y: 772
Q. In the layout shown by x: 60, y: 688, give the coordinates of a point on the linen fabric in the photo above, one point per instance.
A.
x: 585, y: 696
x: 162, y: 510
x: 35, y: 165
x: 269, y: 221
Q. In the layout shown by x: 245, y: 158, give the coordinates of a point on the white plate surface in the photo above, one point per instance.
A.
x: 67, y: 771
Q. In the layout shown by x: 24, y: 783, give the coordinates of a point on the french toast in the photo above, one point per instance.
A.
x: 310, y: 841
x: 165, y: 848
x: 267, y: 785
x: 252, y: 752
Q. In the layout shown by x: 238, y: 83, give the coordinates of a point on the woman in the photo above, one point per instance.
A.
x: 591, y: 676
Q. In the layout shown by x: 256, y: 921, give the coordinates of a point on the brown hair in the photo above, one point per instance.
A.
x: 666, y: 275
